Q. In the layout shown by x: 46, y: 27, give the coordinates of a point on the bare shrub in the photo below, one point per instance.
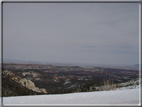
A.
x: 108, y: 85
x: 78, y: 89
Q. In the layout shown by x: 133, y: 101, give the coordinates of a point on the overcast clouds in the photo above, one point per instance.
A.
x: 97, y: 33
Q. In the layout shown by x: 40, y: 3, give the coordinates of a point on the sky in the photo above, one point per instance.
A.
x: 93, y: 33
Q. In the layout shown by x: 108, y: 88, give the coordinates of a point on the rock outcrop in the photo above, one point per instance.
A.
x: 34, y: 74
x: 42, y: 90
x: 23, y: 81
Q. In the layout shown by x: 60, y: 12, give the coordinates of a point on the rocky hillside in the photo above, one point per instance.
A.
x: 12, y: 81
x: 63, y: 79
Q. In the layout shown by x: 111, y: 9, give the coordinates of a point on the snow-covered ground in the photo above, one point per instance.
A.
x: 132, y: 84
x: 128, y: 96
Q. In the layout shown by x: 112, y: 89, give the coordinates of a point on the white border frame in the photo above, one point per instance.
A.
x: 100, y: 1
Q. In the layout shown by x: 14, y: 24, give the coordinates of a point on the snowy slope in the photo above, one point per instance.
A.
x: 132, y: 84
x: 128, y: 96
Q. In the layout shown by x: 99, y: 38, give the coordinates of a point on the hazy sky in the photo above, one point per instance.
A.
x: 97, y: 33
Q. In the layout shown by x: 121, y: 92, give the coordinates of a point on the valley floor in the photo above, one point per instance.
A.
x: 114, y: 97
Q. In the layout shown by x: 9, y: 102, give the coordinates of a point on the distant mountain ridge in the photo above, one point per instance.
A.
x: 48, y: 67
x: 84, y: 65
x: 137, y: 65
